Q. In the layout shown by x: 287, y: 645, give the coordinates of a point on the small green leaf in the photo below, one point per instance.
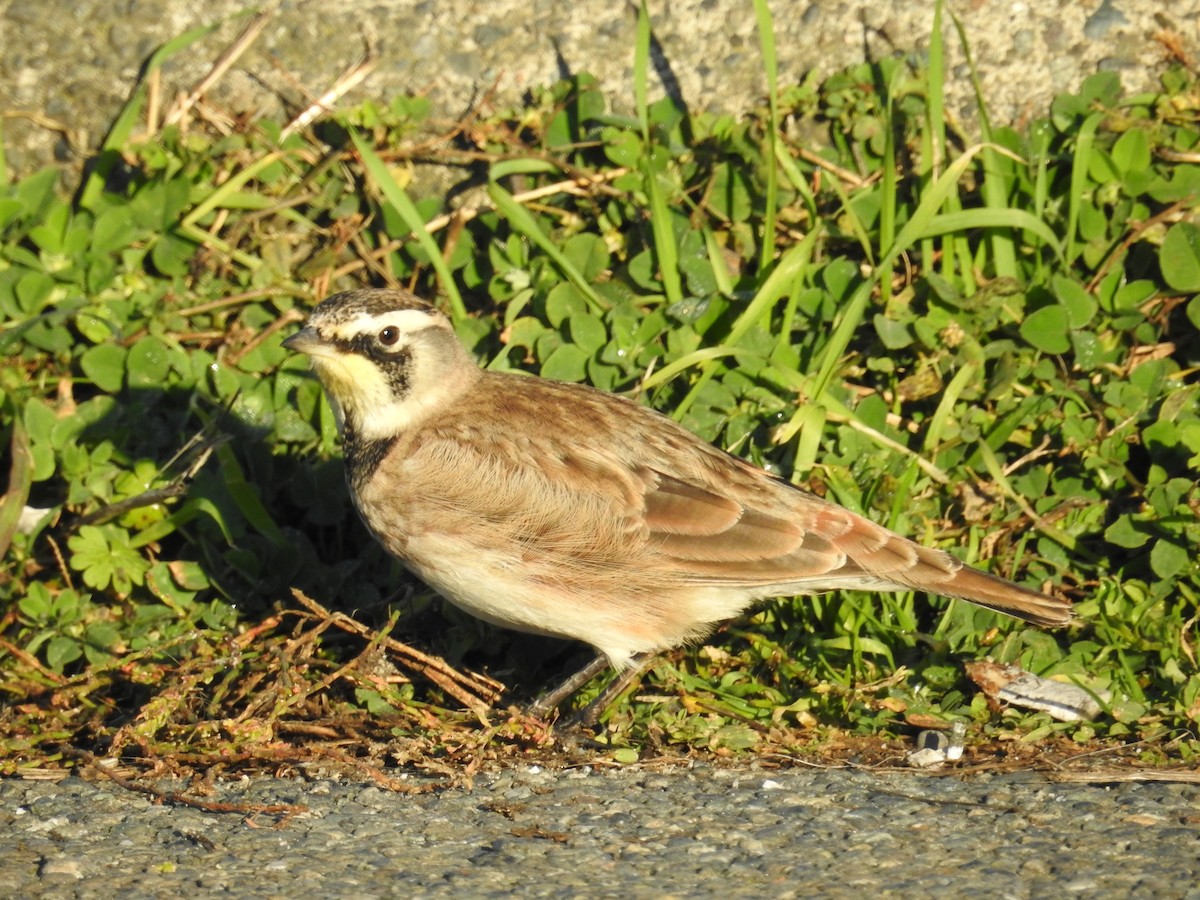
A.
x: 1131, y: 153
x: 1168, y: 559
x: 101, y: 638
x: 1080, y: 305
x: 894, y: 335
x: 1087, y: 350
x: 1101, y: 167
x: 588, y: 253
x: 147, y: 363
x: 698, y: 270
x: 34, y: 291
x: 104, y: 365
x: 114, y: 230
x: 103, y: 555
x: 1123, y: 533
x: 1193, y: 312
x: 61, y: 651
x: 1047, y: 329
x: 172, y: 254
x: 587, y: 332
x: 566, y: 363
x: 37, y: 602
x: 1180, y: 257
x: 374, y: 702
x: 564, y: 301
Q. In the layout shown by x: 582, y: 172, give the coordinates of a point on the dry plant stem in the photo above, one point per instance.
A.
x: 1170, y: 213
x: 292, y: 315
x: 345, y: 82
x: 925, y: 465
x: 153, y: 100
x: 845, y: 175
x: 230, y: 300
x: 576, y: 187
x: 32, y: 662
x: 241, y: 44
x: 146, y: 498
x: 286, y: 811
x: 475, y: 691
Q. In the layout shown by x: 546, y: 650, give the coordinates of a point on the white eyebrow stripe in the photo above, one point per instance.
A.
x: 407, y: 320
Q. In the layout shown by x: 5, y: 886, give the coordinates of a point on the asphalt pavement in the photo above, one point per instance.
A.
x: 698, y: 831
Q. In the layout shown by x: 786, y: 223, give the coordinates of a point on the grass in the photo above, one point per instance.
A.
x: 989, y: 345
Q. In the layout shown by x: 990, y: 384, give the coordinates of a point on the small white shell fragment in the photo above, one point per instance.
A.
x: 937, y: 747
x: 1011, y: 684
x: 1065, y: 702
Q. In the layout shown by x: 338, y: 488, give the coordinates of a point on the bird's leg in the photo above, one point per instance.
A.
x: 590, y: 714
x: 554, y: 697
x: 625, y: 679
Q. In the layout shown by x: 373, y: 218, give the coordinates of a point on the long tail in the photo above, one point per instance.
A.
x: 873, y: 549
x: 1005, y: 596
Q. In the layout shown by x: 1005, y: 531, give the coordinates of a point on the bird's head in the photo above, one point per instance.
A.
x: 387, y: 360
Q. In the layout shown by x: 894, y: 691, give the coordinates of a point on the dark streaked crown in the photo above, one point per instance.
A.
x: 341, y: 308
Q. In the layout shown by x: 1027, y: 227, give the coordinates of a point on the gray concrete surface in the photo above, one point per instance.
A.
x: 629, y: 833
x: 68, y: 65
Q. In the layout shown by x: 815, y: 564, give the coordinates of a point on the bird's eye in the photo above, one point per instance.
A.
x: 389, y: 336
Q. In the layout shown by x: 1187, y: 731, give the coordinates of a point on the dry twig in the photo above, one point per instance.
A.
x: 476, y: 692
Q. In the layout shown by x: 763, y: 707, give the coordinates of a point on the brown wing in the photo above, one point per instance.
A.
x: 805, y: 544
x: 613, y: 495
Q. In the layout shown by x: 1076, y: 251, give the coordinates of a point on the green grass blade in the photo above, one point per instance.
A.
x: 783, y: 159
x: 641, y: 72
x: 666, y: 252
x: 975, y: 219
x: 1039, y: 142
x: 683, y: 363
x: 20, y: 481
x: 396, y: 195
x: 888, y: 183
x: 122, y: 127
x: 779, y: 283
x: 995, y: 187
x: 524, y: 224
x: 933, y: 136
x: 992, y: 464
x: 808, y: 425
x: 716, y: 258
x: 923, y: 216
x: 247, y: 498
x: 230, y: 187
x: 1079, y: 176
x: 945, y: 408
x: 203, y: 238
x: 766, y: 39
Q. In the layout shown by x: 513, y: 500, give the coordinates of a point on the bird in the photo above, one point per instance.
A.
x: 558, y: 509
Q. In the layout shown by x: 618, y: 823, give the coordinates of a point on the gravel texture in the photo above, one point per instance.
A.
x: 628, y: 833
x: 74, y: 62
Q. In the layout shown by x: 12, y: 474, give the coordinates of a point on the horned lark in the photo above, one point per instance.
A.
x: 561, y: 510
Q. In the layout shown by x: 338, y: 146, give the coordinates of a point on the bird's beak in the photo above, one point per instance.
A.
x: 306, y: 340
